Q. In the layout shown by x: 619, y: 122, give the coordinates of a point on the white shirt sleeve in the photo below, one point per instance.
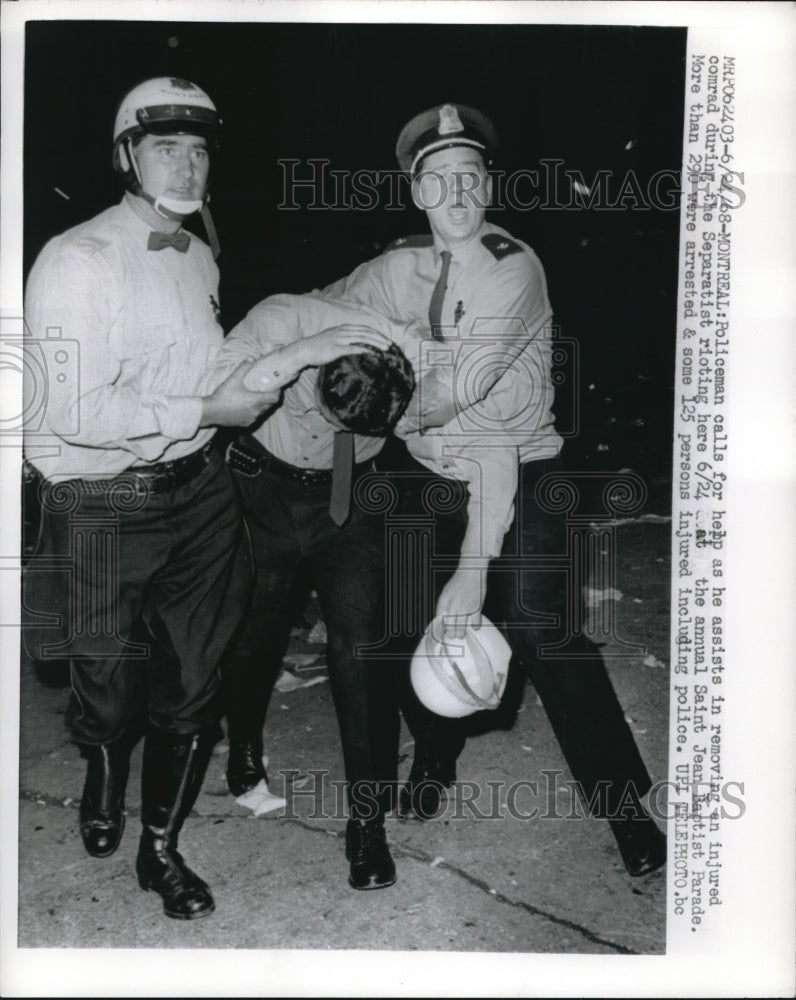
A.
x: 72, y: 293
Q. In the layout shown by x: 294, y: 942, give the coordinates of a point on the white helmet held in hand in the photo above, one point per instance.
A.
x: 457, y: 677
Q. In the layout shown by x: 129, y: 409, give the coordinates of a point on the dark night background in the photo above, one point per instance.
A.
x: 598, y: 98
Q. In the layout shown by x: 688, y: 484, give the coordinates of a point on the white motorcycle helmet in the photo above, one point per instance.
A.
x: 164, y: 106
x: 457, y: 677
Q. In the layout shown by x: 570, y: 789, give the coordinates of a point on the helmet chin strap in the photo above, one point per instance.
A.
x: 174, y: 209
x: 210, y: 229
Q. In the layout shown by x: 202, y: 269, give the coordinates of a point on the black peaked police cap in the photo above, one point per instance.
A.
x: 441, y: 127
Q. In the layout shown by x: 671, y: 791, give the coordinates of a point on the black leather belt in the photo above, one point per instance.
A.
x: 179, y: 472
x: 160, y: 477
x: 249, y: 458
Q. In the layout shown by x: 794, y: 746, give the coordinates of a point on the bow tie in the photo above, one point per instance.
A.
x: 179, y: 240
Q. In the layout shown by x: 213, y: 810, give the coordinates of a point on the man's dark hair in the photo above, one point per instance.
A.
x: 368, y: 392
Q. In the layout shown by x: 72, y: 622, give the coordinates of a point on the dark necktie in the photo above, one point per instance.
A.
x: 179, y: 240
x: 342, y: 467
x: 438, y: 296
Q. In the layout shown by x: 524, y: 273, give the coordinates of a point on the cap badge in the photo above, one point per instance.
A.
x: 181, y: 84
x: 449, y: 120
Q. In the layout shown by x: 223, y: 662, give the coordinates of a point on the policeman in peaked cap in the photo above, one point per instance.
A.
x: 479, y: 425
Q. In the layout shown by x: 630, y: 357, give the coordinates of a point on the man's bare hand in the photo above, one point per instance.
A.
x: 438, y: 415
x: 432, y: 404
x: 233, y: 405
x: 281, y: 367
x: 461, y: 602
x: 335, y: 342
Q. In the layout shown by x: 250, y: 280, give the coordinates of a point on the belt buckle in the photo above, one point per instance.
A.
x: 243, y: 462
x: 139, y: 484
x: 307, y: 477
x: 159, y: 482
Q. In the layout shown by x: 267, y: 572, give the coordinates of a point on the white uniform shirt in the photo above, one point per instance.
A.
x: 497, y: 353
x: 138, y: 328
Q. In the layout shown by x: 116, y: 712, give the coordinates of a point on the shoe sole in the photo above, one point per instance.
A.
x: 190, y: 916
x: 179, y: 916
x: 375, y: 885
x: 239, y: 790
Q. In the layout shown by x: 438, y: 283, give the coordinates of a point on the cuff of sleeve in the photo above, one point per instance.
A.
x: 179, y: 417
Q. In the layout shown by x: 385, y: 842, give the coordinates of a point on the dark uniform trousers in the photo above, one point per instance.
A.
x: 575, y: 689
x: 141, y: 588
x: 293, y: 537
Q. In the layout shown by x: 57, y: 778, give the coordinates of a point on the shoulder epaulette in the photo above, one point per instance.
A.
x: 500, y: 246
x: 411, y: 242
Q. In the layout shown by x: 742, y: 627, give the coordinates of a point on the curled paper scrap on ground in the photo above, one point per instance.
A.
x: 288, y: 681
x: 260, y: 800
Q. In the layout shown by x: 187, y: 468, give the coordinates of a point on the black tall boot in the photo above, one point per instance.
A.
x: 102, y: 804
x: 174, y: 767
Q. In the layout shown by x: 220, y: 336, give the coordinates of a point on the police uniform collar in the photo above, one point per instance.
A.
x: 462, y: 253
x: 437, y: 249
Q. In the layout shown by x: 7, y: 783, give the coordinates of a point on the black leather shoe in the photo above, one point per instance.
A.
x: 102, y: 804
x: 422, y: 795
x: 160, y: 866
x: 366, y: 849
x: 101, y: 836
x: 641, y: 843
x: 245, y: 766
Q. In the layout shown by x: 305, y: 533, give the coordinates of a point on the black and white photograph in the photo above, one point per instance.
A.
x: 370, y: 448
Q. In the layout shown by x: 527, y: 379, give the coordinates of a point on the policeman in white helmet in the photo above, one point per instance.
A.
x: 129, y: 444
x: 173, y: 180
